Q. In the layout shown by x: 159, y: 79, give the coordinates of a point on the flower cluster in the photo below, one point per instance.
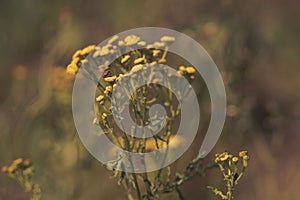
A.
x: 189, y: 71
x: 128, y: 66
x: 78, y: 59
x: 231, y: 170
x: 22, y: 171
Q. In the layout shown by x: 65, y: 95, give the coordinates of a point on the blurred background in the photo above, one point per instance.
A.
x: 254, y: 43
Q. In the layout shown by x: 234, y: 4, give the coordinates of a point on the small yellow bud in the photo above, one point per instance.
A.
x: 110, y: 79
x: 190, y: 70
x: 100, y: 98
x: 138, y: 60
x: 125, y: 59
x: 181, y: 69
x: 243, y: 153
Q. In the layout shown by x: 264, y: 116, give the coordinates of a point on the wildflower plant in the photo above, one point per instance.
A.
x: 139, y: 101
x: 22, y: 171
x: 232, y: 169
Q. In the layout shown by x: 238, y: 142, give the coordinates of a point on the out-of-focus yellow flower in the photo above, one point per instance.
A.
x: 17, y: 161
x: 156, y: 52
x: 4, y: 169
x: 131, y: 40
x: 11, y: 169
x: 162, y: 60
x: 142, y: 43
x: 136, y: 68
x: 153, y: 63
x: 167, y: 39
x: 159, y: 44
x: 27, y: 163
x: 125, y: 59
x: 113, y: 39
x: 121, y: 43
x: 28, y: 171
x: 19, y: 72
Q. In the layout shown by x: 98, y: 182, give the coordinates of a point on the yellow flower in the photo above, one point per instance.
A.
x: 72, y: 69
x: 104, y: 116
x: 87, y: 49
x: 121, y: 43
x: 138, y: 60
x: 142, y: 43
x: 243, y: 153
x: 108, y: 90
x: 27, y: 171
x: 110, y: 79
x: 167, y: 39
x: 162, y: 60
x: 76, y: 54
x: 131, y: 40
x: 100, y: 98
x: 156, y: 52
x: 125, y: 59
x: 190, y: 70
x: 245, y: 160
x: 17, y: 161
x: 113, y: 39
x: 119, y: 77
x: 235, y: 159
x: 75, y: 60
x: 136, y: 68
x: 27, y: 163
x: 84, y: 61
x: 182, y: 69
x: 222, y: 157
x: 11, y: 169
x: 4, y: 169
x: 159, y: 44
x: 153, y: 63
